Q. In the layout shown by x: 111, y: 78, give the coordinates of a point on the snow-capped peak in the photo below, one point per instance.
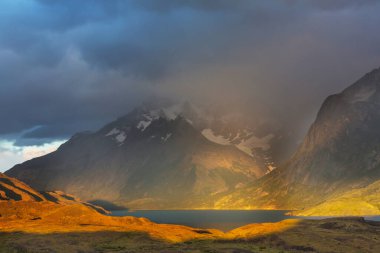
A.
x: 245, y: 144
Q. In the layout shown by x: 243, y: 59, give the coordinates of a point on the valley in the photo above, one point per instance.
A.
x: 189, y: 126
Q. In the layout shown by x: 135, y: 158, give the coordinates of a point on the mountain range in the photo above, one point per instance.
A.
x: 182, y: 156
x: 160, y: 155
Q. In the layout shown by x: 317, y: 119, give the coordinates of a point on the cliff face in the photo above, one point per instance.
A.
x: 340, y: 152
x: 343, y: 144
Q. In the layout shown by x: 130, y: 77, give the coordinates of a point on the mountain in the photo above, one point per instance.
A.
x: 182, y: 156
x: 343, y: 143
x: 340, y: 153
x: 157, y: 156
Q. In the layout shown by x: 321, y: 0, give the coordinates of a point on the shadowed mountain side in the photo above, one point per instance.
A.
x: 68, y: 199
x: 107, y: 205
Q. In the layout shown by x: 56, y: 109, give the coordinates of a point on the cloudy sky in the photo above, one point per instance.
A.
x: 68, y: 65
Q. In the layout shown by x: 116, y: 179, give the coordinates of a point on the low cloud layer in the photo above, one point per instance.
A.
x: 11, y: 154
x: 68, y: 66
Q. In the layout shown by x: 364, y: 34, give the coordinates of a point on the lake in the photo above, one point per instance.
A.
x: 224, y: 220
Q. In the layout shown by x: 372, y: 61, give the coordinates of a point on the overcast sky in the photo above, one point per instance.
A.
x: 69, y: 65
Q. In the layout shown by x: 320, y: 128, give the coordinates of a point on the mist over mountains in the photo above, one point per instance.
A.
x: 160, y: 155
x: 190, y: 126
x: 178, y: 155
x: 84, y: 64
x: 337, y: 160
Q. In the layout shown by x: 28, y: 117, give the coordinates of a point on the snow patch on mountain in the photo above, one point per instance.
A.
x: 254, y: 142
x: 169, y: 113
x: 120, y: 138
x: 209, y: 134
x: 142, y: 125
x: 114, y: 131
x: 223, y: 129
x: 118, y: 135
x: 246, y: 144
x: 149, y: 117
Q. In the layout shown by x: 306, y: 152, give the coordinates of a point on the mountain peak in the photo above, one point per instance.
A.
x: 366, y: 89
x: 156, y: 156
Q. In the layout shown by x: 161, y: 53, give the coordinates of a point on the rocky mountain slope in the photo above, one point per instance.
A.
x: 340, y: 153
x: 18, y: 200
x: 155, y: 157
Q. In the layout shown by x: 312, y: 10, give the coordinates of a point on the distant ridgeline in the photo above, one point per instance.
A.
x: 180, y: 156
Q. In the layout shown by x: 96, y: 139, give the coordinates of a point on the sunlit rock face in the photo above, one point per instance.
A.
x: 340, y: 152
x: 19, y: 200
x: 154, y: 157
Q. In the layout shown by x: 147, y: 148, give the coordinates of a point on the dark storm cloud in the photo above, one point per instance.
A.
x: 338, y: 4
x: 68, y: 66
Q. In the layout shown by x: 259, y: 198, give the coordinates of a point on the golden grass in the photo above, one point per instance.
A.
x: 357, y: 202
x: 45, y: 217
x: 45, y: 227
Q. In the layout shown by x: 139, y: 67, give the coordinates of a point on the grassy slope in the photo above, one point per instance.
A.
x: 47, y: 227
x: 291, y: 236
x: 359, y: 202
